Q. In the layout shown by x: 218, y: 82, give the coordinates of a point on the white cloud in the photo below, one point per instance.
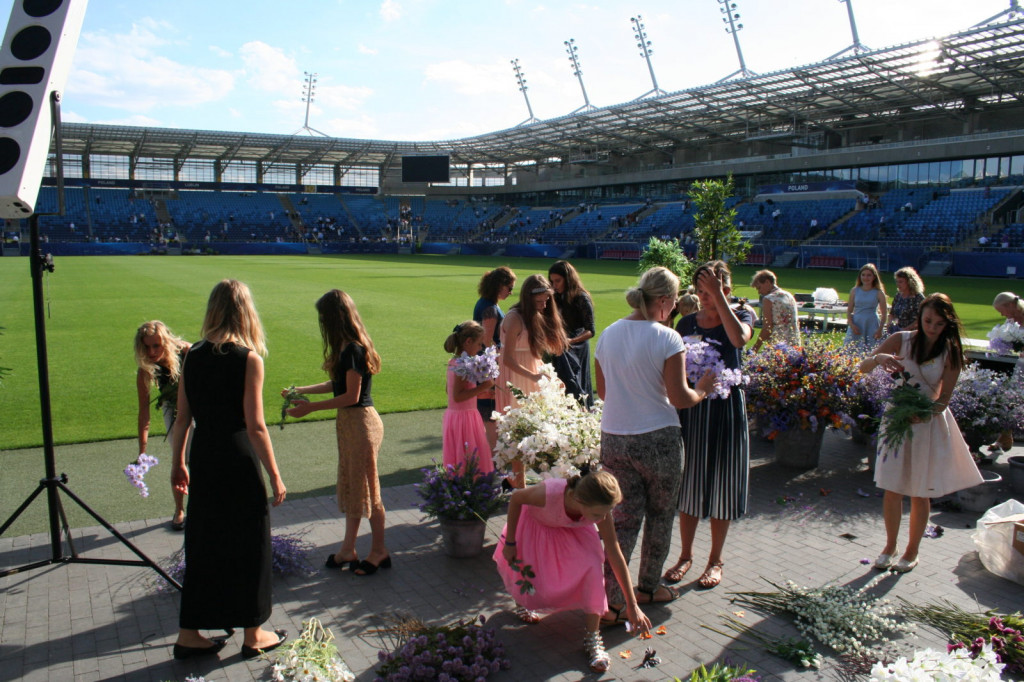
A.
x: 359, y: 127
x: 364, y: 49
x: 390, y: 10
x: 220, y: 52
x: 269, y: 68
x: 342, y: 97
x: 125, y: 71
x: 470, y: 78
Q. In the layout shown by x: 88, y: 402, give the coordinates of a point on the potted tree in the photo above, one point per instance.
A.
x: 461, y: 499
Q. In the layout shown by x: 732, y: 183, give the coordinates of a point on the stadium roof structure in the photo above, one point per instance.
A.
x: 948, y: 77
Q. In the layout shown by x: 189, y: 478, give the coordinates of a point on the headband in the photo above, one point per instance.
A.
x: 541, y: 290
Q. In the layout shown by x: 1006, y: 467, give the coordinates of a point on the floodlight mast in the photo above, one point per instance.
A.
x: 1013, y: 12
x: 646, y: 50
x: 732, y: 15
x: 574, y: 59
x: 856, y: 47
x: 521, y: 80
x: 308, y: 94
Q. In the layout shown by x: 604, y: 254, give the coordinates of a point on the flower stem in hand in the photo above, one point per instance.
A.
x: 291, y: 395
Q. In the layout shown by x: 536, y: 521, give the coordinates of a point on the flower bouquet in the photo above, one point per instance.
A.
x: 459, y: 651
x: 800, y: 387
x: 1006, y: 338
x: 867, y: 400
x: 459, y: 492
x: 976, y: 634
x: 136, y: 472
x: 907, y: 406
x: 954, y: 665
x: 549, y: 432
x: 477, y: 368
x: 313, y: 656
x: 984, y: 403
x: 702, y: 356
x: 289, y: 399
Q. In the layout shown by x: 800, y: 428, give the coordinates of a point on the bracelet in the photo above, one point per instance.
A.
x: 511, y: 543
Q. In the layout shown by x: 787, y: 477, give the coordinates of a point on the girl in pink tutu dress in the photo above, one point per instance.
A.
x: 557, y: 528
x: 464, y: 433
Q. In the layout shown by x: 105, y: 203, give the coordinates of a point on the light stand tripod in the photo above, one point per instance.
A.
x: 53, y: 484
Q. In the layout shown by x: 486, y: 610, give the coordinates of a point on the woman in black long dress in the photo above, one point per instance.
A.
x: 227, y: 538
x: 577, y: 309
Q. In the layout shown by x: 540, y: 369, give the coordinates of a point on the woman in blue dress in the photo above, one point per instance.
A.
x: 867, y: 310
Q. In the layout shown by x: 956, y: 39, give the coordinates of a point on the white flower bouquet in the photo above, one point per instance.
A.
x: 939, y: 666
x: 550, y: 432
x: 1006, y: 338
x: 313, y: 657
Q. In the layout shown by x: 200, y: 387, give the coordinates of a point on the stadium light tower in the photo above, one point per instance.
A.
x: 640, y: 34
x: 856, y: 47
x: 521, y: 79
x: 732, y: 15
x: 574, y: 59
x: 1013, y: 12
x: 308, y: 94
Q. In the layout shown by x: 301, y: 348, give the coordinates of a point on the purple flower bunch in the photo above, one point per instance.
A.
x: 1007, y: 643
x: 136, y: 472
x: 459, y: 492
x: 450, y: 653
x: 1006, y: 338
x: 984, y: 403
x: 477, y: 368
x: 702, y: 356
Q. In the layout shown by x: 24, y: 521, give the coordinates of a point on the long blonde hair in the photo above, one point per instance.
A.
x: 231, y: 317
x: 341, y: 325
x: 171, y: 344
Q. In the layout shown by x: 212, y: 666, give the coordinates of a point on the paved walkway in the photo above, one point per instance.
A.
x: 92, y: 622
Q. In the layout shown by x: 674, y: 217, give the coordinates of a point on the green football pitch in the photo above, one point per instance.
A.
x: 409, y: 304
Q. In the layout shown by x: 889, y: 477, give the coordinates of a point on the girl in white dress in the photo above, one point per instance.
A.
x: 935, y: 460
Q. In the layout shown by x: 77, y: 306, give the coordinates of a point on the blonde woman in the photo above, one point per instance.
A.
x: 159, y: 355
x: 905, y: 303
x: 350, y: 361
x: 780, y: 319
x: 867, y: 310
x: 227, y: 538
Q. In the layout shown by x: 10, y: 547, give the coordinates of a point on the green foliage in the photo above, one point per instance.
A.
x: 3, y: 370
x: 720, y: 672
x: 715, y: 227
x: 667, y: 254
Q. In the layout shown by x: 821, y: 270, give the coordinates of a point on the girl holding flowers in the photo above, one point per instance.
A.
x: 557, y: 529
x: 715, y: 432
x: 159, y: 355
x: 350, y: 361
x: 464, y: 435
x: 532, y: 327
x: 933, y: 460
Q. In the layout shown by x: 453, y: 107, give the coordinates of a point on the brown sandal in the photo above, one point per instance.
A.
x: 708, y: 579
x: 650, y: 597
x: 677, y: 572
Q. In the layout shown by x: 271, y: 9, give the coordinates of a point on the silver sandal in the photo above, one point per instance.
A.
x: 593, y: 645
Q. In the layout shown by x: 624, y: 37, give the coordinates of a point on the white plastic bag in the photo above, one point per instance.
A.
x: 995, y: 542
x: 826, y: 296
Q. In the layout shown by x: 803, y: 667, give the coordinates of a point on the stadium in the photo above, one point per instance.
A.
x: 912, y: 154
x: 905, y: 155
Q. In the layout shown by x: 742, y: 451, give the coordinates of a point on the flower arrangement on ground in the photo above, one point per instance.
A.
x: 464, y: 650
x: 459, y: 492
x: 289, y: 555
x: 313, y: 657
x: 984, y: 403
x: 477, y: 368
x: 798, y: 651
x: 722, y: 672
x: 702, y: 356
x: 843, y: 618
x: 1006, y: 338
x: 800, y: 388
x: 976, y: 633
x: 136, y: 472
x: 954, y: 665
x: 549, y: 432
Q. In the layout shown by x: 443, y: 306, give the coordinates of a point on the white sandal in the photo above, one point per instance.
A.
x: 526, y: 615
x: 593, y: 645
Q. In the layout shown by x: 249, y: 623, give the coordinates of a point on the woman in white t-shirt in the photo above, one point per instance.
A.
x: 640, y: 371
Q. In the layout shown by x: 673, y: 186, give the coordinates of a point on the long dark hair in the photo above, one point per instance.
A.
x: 341, y: 325
x: 543, y: 327
x: 950, y: 338
x: 573, y: 285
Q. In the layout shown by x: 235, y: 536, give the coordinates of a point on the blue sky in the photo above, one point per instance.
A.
x: 432, y: 69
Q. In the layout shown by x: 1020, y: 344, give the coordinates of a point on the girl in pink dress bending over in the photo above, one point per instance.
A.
x: 464, y: 433
x: 557, y: 528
